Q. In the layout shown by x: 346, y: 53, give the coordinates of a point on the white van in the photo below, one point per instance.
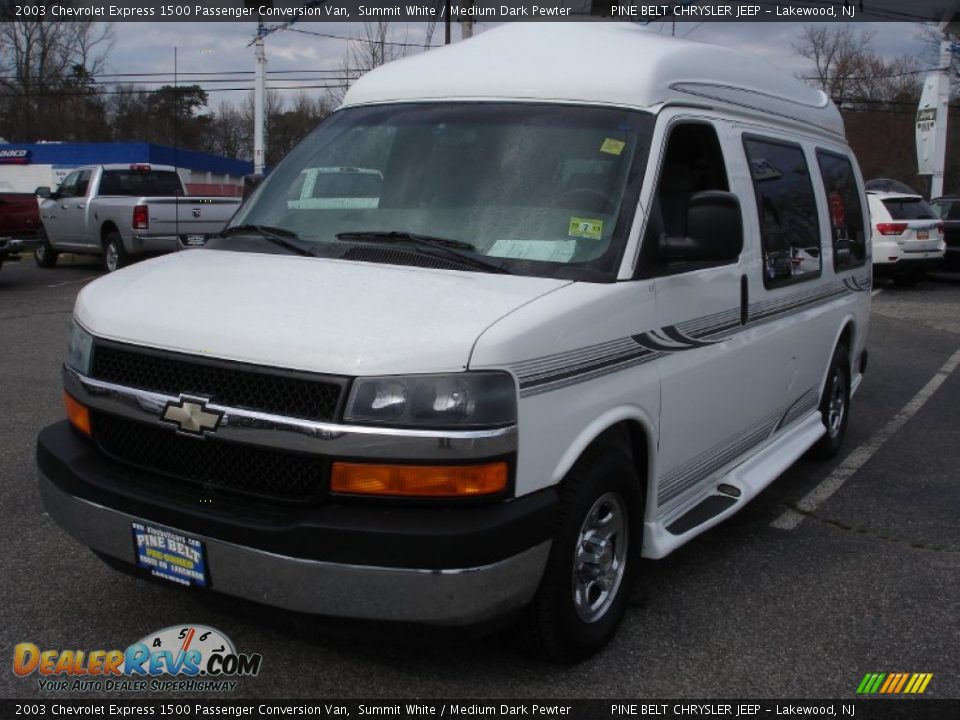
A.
x: 612, y: 286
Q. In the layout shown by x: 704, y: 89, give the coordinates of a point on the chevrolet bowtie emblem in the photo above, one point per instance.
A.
x: 191, y: 416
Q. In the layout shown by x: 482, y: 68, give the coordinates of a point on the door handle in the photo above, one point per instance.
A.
x: 63, y: 207
x: 80, y: 206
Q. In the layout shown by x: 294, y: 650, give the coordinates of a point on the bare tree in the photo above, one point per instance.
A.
x: 838, y: 54
x: 42, y: 63
x: 373, y: 49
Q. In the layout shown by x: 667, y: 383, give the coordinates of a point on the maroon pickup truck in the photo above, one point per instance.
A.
x: 19, y: 221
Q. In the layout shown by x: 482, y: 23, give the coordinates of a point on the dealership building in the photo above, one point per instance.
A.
x: 27, y: 166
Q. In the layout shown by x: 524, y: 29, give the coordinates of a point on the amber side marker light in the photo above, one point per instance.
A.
x: 419, y: 480
x: 77, y: 414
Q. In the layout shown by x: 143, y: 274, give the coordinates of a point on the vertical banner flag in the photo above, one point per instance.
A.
x: 926, y: 124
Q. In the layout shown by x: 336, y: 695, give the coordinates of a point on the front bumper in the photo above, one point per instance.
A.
x: 434, y: 565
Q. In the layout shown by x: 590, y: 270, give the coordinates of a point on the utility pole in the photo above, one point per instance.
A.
x: 259, y: 91
x: 466, y: 26
x: 446, y: 22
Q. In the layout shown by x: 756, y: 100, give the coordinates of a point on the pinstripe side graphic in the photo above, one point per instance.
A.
x: 560, y: 370
x: 685, y: 476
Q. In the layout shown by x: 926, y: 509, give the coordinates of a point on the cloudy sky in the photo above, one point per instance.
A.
x: 213, y: 47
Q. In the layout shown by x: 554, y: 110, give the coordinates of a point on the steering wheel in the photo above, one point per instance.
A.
x: 587, y: 199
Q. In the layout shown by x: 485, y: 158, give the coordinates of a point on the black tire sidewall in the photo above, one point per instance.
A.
x: 572, y: 638
x: 839, y: 363
x: 44, y: 255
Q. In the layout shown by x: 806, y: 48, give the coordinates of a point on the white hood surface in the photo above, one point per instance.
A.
x: 312, y: 314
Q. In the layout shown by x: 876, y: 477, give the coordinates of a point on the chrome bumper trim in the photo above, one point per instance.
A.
x: 460, y: 596
x: 280, y: 432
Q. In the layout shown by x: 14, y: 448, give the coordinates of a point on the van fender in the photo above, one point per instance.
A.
x: 849, y: 320
x: 601, y: 424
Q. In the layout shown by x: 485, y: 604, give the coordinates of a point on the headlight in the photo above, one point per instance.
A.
x: 80, y: 350
x: 460, y: 400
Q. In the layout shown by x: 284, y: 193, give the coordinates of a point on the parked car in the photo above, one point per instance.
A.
x: 19, y: 220
x: 948, y: 210
x: 584, y: 323
x: 121, y: 211
x: 907, y: 236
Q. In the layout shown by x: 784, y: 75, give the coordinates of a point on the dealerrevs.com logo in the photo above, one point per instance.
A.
x: 181, y: 657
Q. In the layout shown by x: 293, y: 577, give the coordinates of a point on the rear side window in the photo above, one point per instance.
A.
x: 846, y: 212
x: 140, y: 182
x: 909, y: 209
x: 787, y: 209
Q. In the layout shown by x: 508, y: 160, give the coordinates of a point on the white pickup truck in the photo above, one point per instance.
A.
x: 119, y: 211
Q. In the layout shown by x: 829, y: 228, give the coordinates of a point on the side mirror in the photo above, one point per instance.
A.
x: 250, y: 183
x: 714, y: 230
x: 42, y: 192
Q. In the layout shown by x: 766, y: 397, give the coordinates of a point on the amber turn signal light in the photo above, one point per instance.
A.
x: 77, y: 414
x: 419, y: 480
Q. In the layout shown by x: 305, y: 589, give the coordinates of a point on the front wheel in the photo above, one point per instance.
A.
x: 114, y: 254
x: 593, y: 560
x: 44, y: 254
x: 835, y: 405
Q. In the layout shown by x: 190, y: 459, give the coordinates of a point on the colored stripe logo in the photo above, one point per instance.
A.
x: 894, y: 683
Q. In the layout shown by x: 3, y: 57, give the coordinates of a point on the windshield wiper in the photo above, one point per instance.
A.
x: 453, y: 249
x: 277, y: 235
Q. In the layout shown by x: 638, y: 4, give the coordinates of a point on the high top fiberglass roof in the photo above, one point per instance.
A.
x: 605, y: 63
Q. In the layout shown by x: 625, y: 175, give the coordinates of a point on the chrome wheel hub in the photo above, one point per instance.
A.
x: 112, y: 257
x: 600, y: 557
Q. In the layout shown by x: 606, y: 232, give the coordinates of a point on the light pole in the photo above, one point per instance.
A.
x: 259, y: 91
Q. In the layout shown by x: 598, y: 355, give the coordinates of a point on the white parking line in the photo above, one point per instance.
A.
x: 791, y: 519
x: 876, y: 292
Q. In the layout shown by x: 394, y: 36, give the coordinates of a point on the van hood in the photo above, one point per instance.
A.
x: 312, y: 314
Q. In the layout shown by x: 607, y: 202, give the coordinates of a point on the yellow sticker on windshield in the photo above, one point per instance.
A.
x: 613, y: 147
x: 585, y: 228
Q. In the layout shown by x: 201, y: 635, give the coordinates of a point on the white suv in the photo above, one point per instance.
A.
x: 907, y: 236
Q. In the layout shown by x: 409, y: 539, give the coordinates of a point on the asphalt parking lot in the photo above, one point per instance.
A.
x: 868, y: 581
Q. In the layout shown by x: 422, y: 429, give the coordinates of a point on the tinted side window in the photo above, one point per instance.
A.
x: 954, y: 211
x: 787, y: 208
x: 83, y: 182
x: 846, y: 212
x: 68, y: 188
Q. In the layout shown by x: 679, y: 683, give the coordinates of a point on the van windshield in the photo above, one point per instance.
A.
x: 539, y: 189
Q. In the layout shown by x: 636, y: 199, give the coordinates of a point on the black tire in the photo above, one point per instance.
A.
x: 44, y: 254
x: 114, y: 254
x: 834, y: 405
x: 556, y: 625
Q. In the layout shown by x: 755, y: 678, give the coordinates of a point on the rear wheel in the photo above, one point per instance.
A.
x: 835, y: 405
x: 114, y: 254
x: 593, y: 560
x: 44, y: 254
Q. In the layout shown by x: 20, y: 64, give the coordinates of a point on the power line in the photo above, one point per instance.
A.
x: 61, y: 94
x: 904, y: 73
x: 356, y: 39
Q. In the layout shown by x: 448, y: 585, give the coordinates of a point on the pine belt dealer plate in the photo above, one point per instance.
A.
x: 170, y: 555
x: 194, y: 240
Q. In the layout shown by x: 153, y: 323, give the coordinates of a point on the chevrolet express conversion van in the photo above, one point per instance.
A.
x: 613, y: 285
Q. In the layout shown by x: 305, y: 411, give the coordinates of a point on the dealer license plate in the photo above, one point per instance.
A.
x: 923, y: 234
x: 195, y: 240
x: 170, y: 555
